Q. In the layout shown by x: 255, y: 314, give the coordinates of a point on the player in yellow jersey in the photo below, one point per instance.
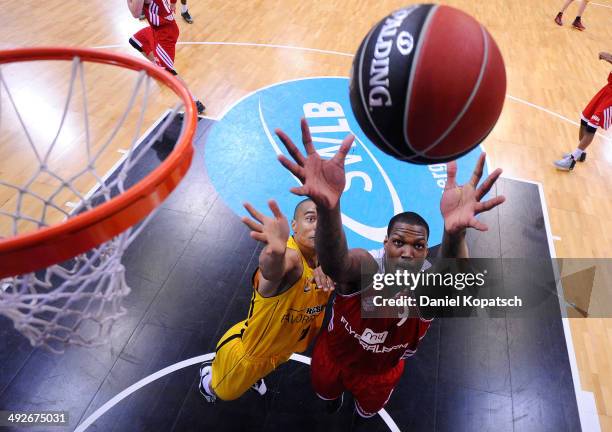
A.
x: 287, y: 306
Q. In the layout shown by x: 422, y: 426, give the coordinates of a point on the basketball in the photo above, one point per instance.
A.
x: 427, y: 84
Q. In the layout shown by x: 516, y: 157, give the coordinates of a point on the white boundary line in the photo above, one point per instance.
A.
x: 601, y: 5
x: 538, y: 107
x: 250, y: 44
x: 181, y: 365
x: 231, y: 107
x: 587, y: 409
x: 344, y: 54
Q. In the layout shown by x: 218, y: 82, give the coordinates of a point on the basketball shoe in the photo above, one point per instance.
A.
x: 577, y: 24
x: 566, y: 164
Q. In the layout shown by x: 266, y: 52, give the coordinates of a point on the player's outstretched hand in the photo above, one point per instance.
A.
x: 322, y: 180
x: 461, y: 203
x: 274, y: 231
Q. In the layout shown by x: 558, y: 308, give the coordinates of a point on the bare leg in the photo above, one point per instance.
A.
x: 582, y: 7
x: 200, y: 107
x: 581, y: 132
x: 565, y: 5
x: 586, y: 140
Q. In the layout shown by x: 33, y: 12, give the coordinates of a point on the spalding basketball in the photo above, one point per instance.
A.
x: 427, y: 84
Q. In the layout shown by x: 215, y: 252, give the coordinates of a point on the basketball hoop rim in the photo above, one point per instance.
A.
x: 36, y: 250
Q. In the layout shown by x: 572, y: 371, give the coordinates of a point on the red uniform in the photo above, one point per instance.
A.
x: 363, y: 355
x: 598, y: 112
x: 162, y: 34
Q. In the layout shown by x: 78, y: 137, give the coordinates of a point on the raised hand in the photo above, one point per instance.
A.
x: 322, y: 180
x: 460, y: 204
x: 274, y: 231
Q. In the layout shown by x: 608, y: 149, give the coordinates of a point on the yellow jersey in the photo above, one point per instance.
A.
x: 287, y: 322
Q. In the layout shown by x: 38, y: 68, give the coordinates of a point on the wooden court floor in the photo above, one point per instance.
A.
x: 234, y: 48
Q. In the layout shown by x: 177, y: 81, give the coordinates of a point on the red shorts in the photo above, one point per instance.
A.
x: 598, y: 112
x: 329, y: 379
x: 162, y: 44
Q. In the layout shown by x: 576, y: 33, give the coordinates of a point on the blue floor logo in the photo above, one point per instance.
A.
x: 241, y: 153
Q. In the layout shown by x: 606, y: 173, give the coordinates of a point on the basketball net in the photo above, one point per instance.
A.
x: 77, y: 301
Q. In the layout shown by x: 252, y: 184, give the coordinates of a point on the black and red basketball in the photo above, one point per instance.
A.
x: 427, y: 84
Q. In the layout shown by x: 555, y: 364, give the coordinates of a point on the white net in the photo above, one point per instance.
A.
x: 60, y: 173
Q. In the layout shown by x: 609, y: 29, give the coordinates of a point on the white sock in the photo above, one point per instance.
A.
x: 577, y: 153
x: 206, y: 384
x: 183, y: 8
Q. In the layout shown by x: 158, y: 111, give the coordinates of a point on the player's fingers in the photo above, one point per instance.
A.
x: 295, y: 153
x: 489, y: 204
x: 478, y: 169
x: 306, y: 138
x: 318, y: 278
x: 253, y: 226
x: 486, y: 186
x: 347, y: 142
x: 451, y: 175
x: 329, y: 284
x: 253, y: 212
x: 480, y: 226
x: 301, y: 191
x: 292, y: 167
x: 259, y: 237
x: 275, y: 210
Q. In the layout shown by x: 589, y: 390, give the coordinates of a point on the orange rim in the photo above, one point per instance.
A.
x: 34, y: 251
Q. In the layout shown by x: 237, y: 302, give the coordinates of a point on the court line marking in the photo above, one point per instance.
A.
x: 252, y: 44
x: 344, y: 54
x: 181, y: 365
x: 541, y: 108
x: 601, y: 5
x: 580, y: 394
x: 556, y: 238
x: 585, y: 400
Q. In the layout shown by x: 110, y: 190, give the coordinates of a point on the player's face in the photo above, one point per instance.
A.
x: 305, y: 224
x: 405, y: 247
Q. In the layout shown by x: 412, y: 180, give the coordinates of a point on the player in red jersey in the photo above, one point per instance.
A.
x: 598, y: 113
x: 577, y: 24
x: 366, y: 355
x: 157, y: 42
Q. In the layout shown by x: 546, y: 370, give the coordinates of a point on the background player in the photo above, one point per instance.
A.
x: 366, y: 355
x: 577, y: 24
x: 287, y: 306
x: 185, y: 12
x: 157, y: 42
x: 598, y: 113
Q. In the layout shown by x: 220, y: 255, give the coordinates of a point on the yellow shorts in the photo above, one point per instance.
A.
x: 233, y: 372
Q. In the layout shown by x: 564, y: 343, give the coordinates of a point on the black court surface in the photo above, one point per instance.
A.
x: 190, y: 271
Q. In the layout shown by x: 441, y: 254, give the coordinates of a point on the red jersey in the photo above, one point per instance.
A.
x: 159, y: 14
x: 370, y: 345
x: 598, y: 113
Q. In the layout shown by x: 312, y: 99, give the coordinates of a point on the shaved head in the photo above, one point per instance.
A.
x: 299, y: 207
